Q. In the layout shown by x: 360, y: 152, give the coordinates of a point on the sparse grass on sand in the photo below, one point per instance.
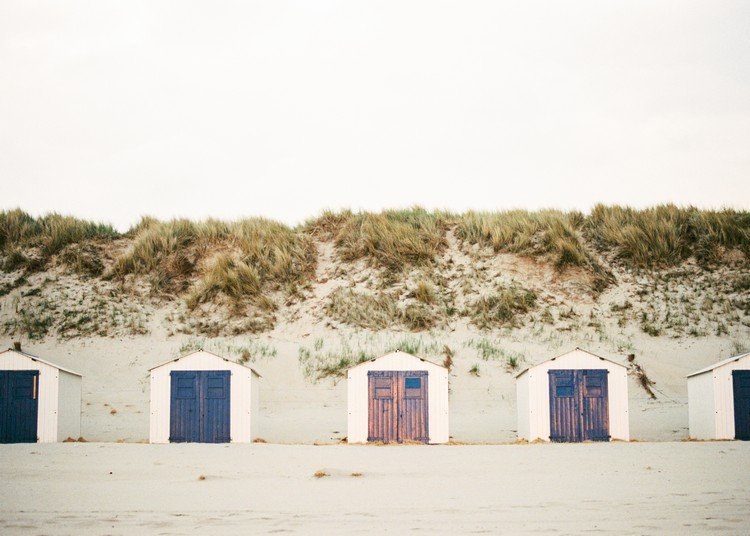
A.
x: 504, y: 307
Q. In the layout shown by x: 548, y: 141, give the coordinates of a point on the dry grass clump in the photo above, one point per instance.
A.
x: 83, y: 259
x: 667, y: 235
x: 372, y: 311
x: 241, y: 260
x: 546, y: 232
x: 49, y: 233
x: 425, y: 293
x: 502, y: 308
x: 378, y: 311
x: 390, y: 239
x: 320, y: 474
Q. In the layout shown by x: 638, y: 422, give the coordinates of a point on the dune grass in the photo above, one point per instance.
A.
x: 502, y: 308
x: 241, y: 260
x: 50, y: 233
x: 390, y: 239
x: 371, y: 311
x: 667, y: 235
x: 551, y: 234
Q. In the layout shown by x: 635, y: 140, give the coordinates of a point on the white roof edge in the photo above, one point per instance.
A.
x: 37, y: 358
x: 718, y: 364
x: 205, y: 352
x: 397, y: 352
x: 566, y: 353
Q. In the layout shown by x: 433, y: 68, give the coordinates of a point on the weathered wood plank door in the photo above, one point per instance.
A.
x: 741, y: 385
x: 579, y: 405
x: 199, y: 406
x: 19, y: 406
x: 397, y: 406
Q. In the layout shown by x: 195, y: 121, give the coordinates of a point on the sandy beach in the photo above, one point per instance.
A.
x: 617, y: 488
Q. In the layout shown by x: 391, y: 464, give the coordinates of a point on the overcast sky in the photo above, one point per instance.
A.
x: 112, y: 110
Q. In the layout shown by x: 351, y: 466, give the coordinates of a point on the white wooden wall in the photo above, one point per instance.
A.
x: 47, y: 391
x: 240, y: 405
x: 701, y: 406
x: 437, y: 395
x: 538, y: 394
x: 724, y: 396
x: 69, y: 406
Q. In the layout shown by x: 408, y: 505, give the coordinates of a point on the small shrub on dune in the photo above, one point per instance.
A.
x: 83, y: 259
x: 373, y: 311
x: 424, y: 293
x: 234, y: 279
x: 418, y: 317
x: 502, y: 308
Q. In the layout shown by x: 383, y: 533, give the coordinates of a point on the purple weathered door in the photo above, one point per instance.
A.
x: 397, y: 406
x: 579, y: 405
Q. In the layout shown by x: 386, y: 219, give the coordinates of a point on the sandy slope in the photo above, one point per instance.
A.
x: 615, y: 488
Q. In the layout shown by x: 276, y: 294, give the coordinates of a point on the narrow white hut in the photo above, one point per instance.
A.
x: 39, y: 401
x: 719, y: 400
x: 573, y: 397
x: 203, y: 398
x: 397, y: 397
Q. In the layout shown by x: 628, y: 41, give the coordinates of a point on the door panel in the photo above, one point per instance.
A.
x: 413, y: 406
x: 184, y: 416
x: 19, y: 406
x: 200, y: 406
x: 564, y: 408
x: 216, y: 406
x: 595, y: 400
x: 397, y: 406
x: 381, y: 408
x: 741, y: 385
x: 579, y: 405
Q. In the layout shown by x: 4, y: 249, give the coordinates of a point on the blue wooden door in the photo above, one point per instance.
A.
x: 200, y: 404
x: 741, y: 384
x: 216, y: 399
x: 578, y: 405
x: 19, y: 406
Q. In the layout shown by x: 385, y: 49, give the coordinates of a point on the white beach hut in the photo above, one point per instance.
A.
x: 203, y: 398
x: 719, y: 400
x: 577, y: 396
x: 397, y: 397
x: 39, y: 401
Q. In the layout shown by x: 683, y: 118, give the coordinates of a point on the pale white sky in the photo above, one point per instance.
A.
x: 110, y: 110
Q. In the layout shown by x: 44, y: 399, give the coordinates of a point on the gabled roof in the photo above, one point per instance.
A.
x: 577, y: 348
x: 719, y: 364
x: 204, y: 352
x: 36, y: 358
x: 396, y: 352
